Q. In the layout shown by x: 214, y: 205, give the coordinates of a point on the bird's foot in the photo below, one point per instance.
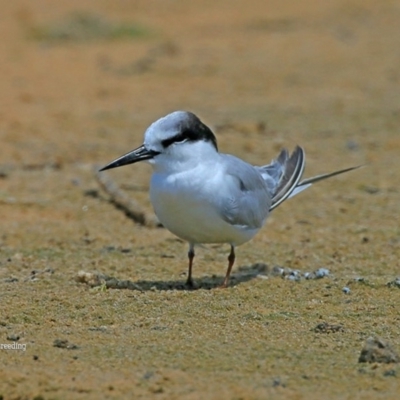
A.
x: 189, y: 283
x: 224, y: 284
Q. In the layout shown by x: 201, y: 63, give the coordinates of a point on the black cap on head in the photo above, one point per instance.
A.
x: 192, y: 129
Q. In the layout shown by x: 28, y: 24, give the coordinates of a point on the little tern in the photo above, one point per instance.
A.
x: 204, y: 196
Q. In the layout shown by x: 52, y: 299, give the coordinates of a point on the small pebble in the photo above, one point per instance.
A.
x: 352, y: 145
x: 325, y: 327
x: 10, y: 280
x: 395, y: 283
x: 346, y: 290
x: 321, y: 272
x: 378, y: 350
x: 318, y: 274
x: 13, y: 337
x: 371, y: 189
x: 64, y: 344
x: 276, y: 382
x: 277, y: 271
x: 293, y: 276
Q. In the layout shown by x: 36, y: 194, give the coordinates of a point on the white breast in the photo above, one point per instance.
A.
x: 187, y: 204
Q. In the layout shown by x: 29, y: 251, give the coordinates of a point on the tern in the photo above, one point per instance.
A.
x: 204, y: 196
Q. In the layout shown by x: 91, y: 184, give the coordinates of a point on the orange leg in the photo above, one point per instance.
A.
x: 231, y: 260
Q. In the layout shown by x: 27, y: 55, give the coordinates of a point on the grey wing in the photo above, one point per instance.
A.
x: 247, y: 199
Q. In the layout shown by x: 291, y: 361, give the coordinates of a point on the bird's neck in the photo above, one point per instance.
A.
x: 185, y: 158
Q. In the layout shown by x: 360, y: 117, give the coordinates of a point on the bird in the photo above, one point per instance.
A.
x: 204, y: 196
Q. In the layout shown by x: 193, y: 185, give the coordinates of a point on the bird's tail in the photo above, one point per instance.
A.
x: 291, y: 171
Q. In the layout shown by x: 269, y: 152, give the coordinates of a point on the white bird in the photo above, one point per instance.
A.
x: 204, y: 196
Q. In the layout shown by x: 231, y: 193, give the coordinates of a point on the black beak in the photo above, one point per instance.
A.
x: 139, y: 154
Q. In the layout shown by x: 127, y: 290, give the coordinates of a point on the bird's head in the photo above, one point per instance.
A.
x: 178, y: 137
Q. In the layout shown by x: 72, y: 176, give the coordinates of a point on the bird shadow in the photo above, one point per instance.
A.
x: 242, y: 274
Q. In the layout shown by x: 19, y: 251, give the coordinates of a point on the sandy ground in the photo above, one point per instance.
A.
x: 80, y: 81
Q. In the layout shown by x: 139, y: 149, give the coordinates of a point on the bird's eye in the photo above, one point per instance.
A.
x: 176, y: 139
x: 180, y: 139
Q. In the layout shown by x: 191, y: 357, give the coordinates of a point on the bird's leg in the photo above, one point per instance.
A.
x: 231, y: 260
x: 189, y: 281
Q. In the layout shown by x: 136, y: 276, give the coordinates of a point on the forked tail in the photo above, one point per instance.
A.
x: 292, y: 169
